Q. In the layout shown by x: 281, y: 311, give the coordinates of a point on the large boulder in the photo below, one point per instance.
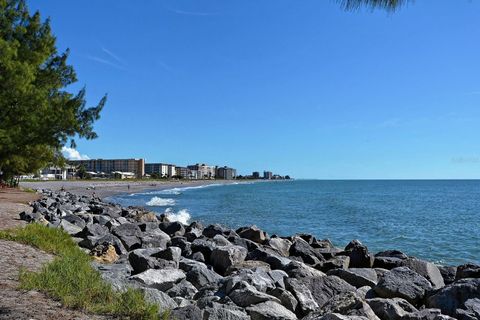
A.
x: 173, y: 228
x: 198, y: 273
x: 347, y: 303
x: 190, y: 312
x: 245, y: 295
x: 281, y: 245
x: 403, y: 283
x: 204, y: 246
x: 269, y: 256
x: 76, y: 220
x: 391, y: 309
x: 270, y: 310
x: 296, y: 269
x: 359, y: 255
x: 427, y: 270
x: 161, y: 299
x: 225, y: 256
x: 448, y: 273
x: 224, y: 312
x: 161, y: 279
x: 182, y: 289
x: 468, y: 270
x: 142, y: 260
x: 454, y: 296
x: 357, y: 277
x: 338, y: 262
x: 324, y: 288
x: 252, y: 233
x: 213, y: 230
x: 286, y: 298
x: 171, y: 254
x: 301, y: 292
x: 69, y: 227
x: 301, y: 248
x: 471, y: 311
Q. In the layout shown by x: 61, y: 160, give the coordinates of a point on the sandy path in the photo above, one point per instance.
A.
x: 15, y: 303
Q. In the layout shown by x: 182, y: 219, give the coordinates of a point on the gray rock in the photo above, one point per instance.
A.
x: 247, y: 244
x: 93, y: 230
x: 91, y: 242
x: 141, y: 260
x: 182, y: 289
x: 259, y: 278
x: 338, y: 262
x: 221, y: 240
x: 69, y: 228
x: 224, y: 312
x: 116, y: 274
x: 173, y: 228
x: 249, y: 264
x: 454, y: 296
x: 161, y: 279
x: 287, y: 299
x: 278, y: 277
x: 427, y: 270
x: 347, y: 303
x: 471, y: 311
x: 391, y: 309
x: 324, y: 288
x: 213, y: 230
x: 198, y: 273
x: 337, y: 316
x: 171, y: 253
x: 155, y: 239
x: 161, y: 299
x: 204, y: 246
x: 270, y: 311
x: 76, y: 220
x: 226, y: 256
x: 357, y: 277
x: 281, y: 245
x: 127, y: 230
x: 296, y: 269
x: 249, y: 295
x: 403, y: 283
x: 191, y: 312
x: 252, y: 233
x: 306, y: 301
x: 269, y: 256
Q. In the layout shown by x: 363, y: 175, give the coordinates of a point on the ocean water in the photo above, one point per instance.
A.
x: 430, y: 219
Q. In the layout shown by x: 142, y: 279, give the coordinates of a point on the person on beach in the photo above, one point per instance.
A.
x: 128, y: 186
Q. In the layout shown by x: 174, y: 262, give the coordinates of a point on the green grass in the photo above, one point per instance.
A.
x: 71, y: 279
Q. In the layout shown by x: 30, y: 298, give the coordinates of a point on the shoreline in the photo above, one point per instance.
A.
x: 105, y: 189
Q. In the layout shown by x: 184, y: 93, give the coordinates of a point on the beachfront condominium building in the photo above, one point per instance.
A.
x: 185, y: 173
x: 163, y: 170
x: 226, y: 173
x: 203, y: 171
x: 109, y: 166
x: 256, y: 175
x: 267, y: 175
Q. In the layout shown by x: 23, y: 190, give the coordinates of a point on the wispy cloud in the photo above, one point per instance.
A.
x: 111, y: 59
x: 191, y: 13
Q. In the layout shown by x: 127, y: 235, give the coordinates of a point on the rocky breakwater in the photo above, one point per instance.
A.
x: 213, y: 272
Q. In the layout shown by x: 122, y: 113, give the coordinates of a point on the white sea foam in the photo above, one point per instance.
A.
x: 160, y: 202
x: 181, y: 216
x: 177, y: 191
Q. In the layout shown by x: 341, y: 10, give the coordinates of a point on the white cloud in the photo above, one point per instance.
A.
x: 72, y: 154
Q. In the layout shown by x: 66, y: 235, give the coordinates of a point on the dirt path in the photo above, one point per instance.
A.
x: 15, y: 303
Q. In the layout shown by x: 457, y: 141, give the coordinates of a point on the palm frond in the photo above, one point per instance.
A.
x: 389, y: 5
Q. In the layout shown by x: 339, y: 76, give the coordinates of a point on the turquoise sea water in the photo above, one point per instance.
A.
x: 435, y: 220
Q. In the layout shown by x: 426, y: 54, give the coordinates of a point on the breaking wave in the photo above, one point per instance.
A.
x: 160, y: 202
x: 181, y: 216
x: 177, y: 191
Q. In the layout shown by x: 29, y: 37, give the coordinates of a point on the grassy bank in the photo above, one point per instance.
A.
x: 71, y: 279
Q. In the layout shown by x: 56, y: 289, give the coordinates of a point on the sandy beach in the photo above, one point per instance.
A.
x: 104, y: 189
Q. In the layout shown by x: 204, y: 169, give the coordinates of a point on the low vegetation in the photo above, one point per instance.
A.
x: 71, y: 279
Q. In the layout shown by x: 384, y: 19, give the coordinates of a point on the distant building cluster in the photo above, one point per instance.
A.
x: 139, y: 169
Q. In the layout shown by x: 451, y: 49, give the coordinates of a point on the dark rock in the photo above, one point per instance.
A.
x: 468, y: 270
x: 357, y: 277
x: 359, y: 256
x: 471, y: 311
x: 198, y: 273
x: 247, y: 244
x: 131, y: 242
x: 226, y: 256
x: 182, y: 289
x: 171, y: 253
x: 338, y: 262
x: 252, y: 233
x: 224, y: 312
x: 391, y: 309
x: 392, y: 254
x: 324, y: 288
x: 141, y: 260
x: 161, y: 299
x: 300, y: 248
x: 75, y: 220
x: 155, y: 239
x: 297, y: 269
x: 90, y: 242
x: 287, y: 299
x: 403, y: 283
x: 387, y: 262
x: 103, y: 220
x: 127, y: 230
x: 270, y: 310
x: 269, y: 256
x: 173, y: 228
x: 148, y: 226
x: 93, y: 230
x: 204, y: 246
x: 191, y: 312
x: 454, y: 296
x: 213, y: 230
x: 448, y: 274
x: 347, y: 303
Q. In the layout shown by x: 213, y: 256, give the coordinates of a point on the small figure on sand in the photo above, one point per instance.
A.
x: 128, y: 186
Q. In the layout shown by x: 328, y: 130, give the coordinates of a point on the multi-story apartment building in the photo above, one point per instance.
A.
x: 256, y: 175
x: 203, y: 171
x: 267, y: 175
x: 226, y: 173
x: 185, y: 173
x: 108, y: 166
x: 162, y: 169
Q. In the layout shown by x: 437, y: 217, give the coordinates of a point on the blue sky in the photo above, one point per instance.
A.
x: 298, y: 87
